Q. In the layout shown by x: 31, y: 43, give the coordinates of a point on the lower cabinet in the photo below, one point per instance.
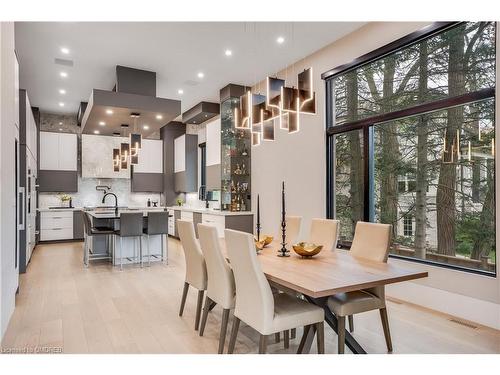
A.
x: 217, y: 221
x: 58, y: 225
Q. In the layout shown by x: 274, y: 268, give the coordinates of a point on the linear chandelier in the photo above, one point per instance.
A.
x: 128, y: 153
x: 281, y: 105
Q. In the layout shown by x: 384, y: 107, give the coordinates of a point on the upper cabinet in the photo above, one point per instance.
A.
x: 58, y: 151
x: 186, y: 163
x: 150, y: 157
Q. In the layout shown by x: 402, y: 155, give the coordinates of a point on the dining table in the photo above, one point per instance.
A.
x: 325, y: 274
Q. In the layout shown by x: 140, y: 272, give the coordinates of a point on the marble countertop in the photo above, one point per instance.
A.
x: 47, y: 209
x: 210, y: 211
x: 111, y: 214
x: 97, y: 208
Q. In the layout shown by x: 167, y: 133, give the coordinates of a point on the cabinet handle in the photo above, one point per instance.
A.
x: 56, y: 228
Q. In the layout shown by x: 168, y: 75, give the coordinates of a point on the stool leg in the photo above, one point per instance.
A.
x: 140, y: 249
x: 121, y: 252
x: 149, y: 253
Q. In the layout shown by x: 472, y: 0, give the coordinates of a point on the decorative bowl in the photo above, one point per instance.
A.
x: 265, y: 240
x: 307, y: 250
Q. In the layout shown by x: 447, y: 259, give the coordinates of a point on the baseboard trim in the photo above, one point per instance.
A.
x: 482, y: 312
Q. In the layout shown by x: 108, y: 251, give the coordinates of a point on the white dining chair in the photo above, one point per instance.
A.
x: 292, y: 229
x: 256, y: 305
x: 221, y: 288
x: 324, y: 232
x: 196, y: 270
x: 371, y: 242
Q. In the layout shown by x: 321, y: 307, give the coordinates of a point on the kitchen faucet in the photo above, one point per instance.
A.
x: 116, y: 201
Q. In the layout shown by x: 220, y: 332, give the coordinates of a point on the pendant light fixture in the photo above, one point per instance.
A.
x: 135, y: 141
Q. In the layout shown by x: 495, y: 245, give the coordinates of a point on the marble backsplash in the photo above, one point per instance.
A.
x: 88, y: 196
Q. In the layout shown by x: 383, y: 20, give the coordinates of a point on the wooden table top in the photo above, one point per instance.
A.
x: 329, y: 272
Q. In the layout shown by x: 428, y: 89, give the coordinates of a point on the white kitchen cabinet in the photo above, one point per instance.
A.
x: 31, y: 131
x: 217, y: 221
x: 180, y: 154
x: 56, y: 225
x: 213, y: 142
x: 58, y: 151
x: 186, y: 215
x: 150, y: 157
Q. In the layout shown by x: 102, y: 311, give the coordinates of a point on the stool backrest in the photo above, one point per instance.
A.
x: 158, y: 222
x: 87, y: 224
x: 131, y: 224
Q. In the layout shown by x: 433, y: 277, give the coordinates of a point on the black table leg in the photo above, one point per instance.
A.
x: 331, y: 320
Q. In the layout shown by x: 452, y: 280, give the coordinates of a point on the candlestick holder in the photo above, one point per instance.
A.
x: 283, y: 252
x: 258, y: 228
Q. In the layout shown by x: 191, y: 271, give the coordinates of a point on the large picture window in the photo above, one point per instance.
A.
x: 411, y: 142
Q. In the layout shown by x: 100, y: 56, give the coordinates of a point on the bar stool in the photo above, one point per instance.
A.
x: 131, y: 224
x: 157, y: 225
x: 91, y: 232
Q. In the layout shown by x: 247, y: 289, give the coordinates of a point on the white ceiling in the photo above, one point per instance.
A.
x: 177, y: 51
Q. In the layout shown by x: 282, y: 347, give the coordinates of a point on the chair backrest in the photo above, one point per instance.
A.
x: 254, y: 299
x: 220, y: 288
x: 131, y: 224
x: 196, y: 270
x: 371, y: 241
x: 324, y: 232
x: 87, y: 223
x: 292, y: 229
x: 157, y: 222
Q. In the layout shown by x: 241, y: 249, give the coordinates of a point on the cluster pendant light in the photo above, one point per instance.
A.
x: 128, y: 153
x: 280, y: 106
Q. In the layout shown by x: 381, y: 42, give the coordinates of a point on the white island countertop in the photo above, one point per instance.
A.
x: 210, y: 211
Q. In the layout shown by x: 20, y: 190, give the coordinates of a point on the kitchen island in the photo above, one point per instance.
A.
x: 241, y: 220
x: 158, y: 246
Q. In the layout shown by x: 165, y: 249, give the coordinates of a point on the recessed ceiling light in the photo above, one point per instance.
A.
x: 109, y: 111
x: 62, y: 91
x: 102, y: 123
x: 145, y: 127
x: 96, y: 131
x: 60, y: 122
x: 60, y: 129
x: 180, y: 91
x: 228, y: 52
x: 201, y: 75
x: 159, y: 117
x: 61, y: 104
x: 63, y: 74
x: 280, y: 40
x: 65, y: 50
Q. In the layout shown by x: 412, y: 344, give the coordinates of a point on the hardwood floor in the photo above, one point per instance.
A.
x: 64, y: 306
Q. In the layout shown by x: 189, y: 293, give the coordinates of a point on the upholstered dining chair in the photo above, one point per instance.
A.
x: 292, y: 229
x: 220, y: 288
x: 371, y: 242
x: 196, y: 270
x: 255, y: 303
x: 324, y: 232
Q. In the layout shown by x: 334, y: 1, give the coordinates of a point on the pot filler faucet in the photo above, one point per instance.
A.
x: 116, y: 201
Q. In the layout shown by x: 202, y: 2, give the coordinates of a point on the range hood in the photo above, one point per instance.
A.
x: 134, y: 92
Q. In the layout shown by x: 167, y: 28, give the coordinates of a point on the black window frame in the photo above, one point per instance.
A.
x: 366, y: 125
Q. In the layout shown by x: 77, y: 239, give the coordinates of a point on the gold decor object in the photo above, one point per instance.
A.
x: 307, y: 250
x: 264, y: 242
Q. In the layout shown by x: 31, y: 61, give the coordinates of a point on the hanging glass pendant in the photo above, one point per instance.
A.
x: 116, y: 160
x: 124, y: 155
x: 135, y: 146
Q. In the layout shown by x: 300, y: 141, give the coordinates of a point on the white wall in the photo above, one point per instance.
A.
x: 299, y: 159
x: 9, y: 276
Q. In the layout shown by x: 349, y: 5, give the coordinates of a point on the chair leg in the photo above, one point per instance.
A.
x: 234, y: 333
x: 293, y: 333
x: 198, y: 309
x: 341, y: 333
x: 385, y: 325
x: 183, y: 299
x: 303, y: 339
x: 263, y: 344
x: 121, y: 250
x: 286, y: 339
x: 277, y: 337
x: 223, y: 330
x: 351, y: 323
x: 206, y: 309
x: 320, y: 337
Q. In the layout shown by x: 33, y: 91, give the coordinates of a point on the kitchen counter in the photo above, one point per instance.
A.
x: 46, y: 209
x: 210, y: 211
x: 97, y: 208
x: 111, y: 214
